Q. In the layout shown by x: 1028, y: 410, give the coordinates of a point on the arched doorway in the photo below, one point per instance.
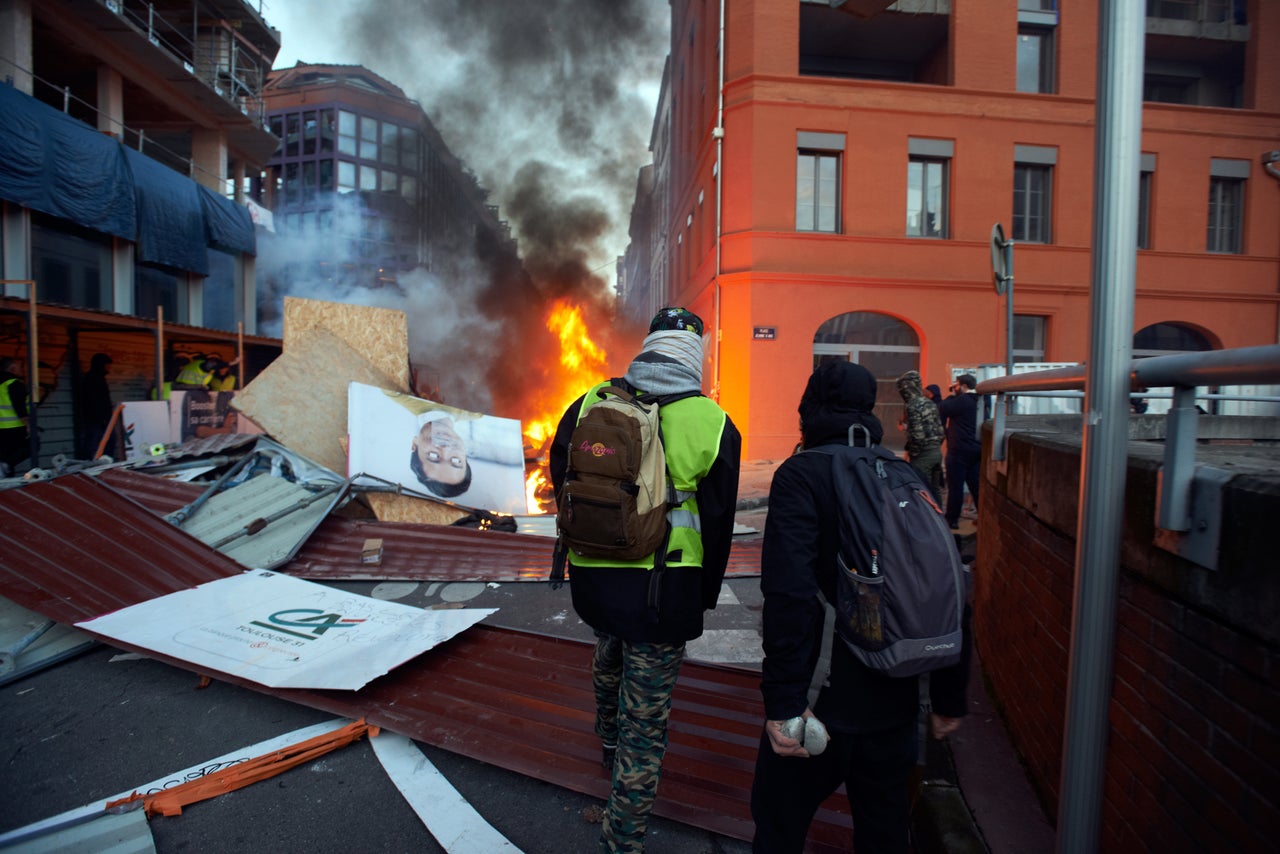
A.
x: 883, y: 345
x: 1166, y: 339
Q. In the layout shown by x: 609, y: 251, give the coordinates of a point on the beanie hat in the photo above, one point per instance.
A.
x: 676, y: 318
x: 838, y: 395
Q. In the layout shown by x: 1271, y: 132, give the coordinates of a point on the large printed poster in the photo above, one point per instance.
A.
x: 284, y: 632
x: 146, y: 423
x: 465, y: 457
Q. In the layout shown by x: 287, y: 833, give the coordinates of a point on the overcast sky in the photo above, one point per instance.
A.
x: 550, y: 102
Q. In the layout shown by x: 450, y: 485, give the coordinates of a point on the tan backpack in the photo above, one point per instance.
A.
x: 613, y: 504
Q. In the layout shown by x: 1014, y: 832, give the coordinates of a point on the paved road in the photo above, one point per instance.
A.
x: 104, y: 723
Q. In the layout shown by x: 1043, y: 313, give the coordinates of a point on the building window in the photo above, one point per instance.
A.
x: 292, y: 134
x: 71, y: 264
x: 368, y: 138
x: 928, y: 187
x: 1028, y: 338
x: 1225, y: 214
x: 1037, y: 25
x: 1035, y: 59
x: 1031, y: 197
x: 818, y: 181
x: 1033, y: 193
x: 817, y: 191
x: 347, y: 133
x: 390, y: 150
x: 1145, y: 177
x: 346, y: 176
x: 310, y: 130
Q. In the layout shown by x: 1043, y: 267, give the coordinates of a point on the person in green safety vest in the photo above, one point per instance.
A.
x: 643, y: 611
x: 194, y: 374
x: 14, y: 439
x: 220, y: 376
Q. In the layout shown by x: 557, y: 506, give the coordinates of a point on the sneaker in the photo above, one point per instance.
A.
x: 607, y: 755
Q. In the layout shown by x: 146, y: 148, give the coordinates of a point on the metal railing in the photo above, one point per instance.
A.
x: 1183, y: 373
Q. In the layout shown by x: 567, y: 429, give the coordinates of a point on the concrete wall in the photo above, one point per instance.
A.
x: 1193, y: 760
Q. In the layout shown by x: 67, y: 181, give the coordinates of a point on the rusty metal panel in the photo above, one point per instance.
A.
x: 160, y: 495
x: 444, y: 553
x: 72, y: 548
x: 409, y: 552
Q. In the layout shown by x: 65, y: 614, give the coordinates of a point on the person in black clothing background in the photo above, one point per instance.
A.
x: 870, y: 718
x: 95, y: 405
x: 964, y: 450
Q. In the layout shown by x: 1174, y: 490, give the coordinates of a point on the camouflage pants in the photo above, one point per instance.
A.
x: 633, y: 683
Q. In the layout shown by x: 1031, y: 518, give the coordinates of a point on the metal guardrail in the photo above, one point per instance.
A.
x: 1183, y: 373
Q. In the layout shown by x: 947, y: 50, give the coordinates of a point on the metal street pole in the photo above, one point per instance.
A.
x: 1117, y: 155
x: 1008, y: 310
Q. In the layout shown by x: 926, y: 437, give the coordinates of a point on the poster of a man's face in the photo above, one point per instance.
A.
x: 466, y: 457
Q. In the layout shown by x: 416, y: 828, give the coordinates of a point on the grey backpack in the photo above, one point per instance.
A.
x: 900, y: 583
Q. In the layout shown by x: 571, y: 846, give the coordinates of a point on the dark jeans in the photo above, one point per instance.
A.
x: 14, y: 447
x: 876, y: 770
x: 962, y: 469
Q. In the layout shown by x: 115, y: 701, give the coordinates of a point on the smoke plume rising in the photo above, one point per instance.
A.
x: 542, y: 101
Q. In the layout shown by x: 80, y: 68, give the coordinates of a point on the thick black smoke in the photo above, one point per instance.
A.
x: 541, y: 99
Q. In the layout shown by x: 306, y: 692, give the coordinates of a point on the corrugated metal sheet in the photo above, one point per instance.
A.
x: 262, y: 522
x: 445, y: 553
x: 160, y: 495
x: 409, y: 552
x: 72, y: 548
x: 218, y: 443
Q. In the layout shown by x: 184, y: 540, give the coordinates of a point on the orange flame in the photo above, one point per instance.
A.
x: 579, y: 356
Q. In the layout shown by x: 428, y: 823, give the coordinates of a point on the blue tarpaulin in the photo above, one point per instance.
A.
x: 228, y: 226
x: 58, y: 165
x: 170, y: 216
x: 53, y: 163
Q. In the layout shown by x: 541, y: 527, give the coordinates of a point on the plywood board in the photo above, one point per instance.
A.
x: 380, y: 335
x: 390, y: 507
x: 301, y: 398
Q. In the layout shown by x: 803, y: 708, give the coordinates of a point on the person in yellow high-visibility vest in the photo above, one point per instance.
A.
x: 14, y: 439
x: 194, y: 374
x: 643, y: 611
x: 222, y: 379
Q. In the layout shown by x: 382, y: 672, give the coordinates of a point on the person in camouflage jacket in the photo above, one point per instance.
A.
x: 923, y: 426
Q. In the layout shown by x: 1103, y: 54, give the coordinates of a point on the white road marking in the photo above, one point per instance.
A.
x: 448, y: 816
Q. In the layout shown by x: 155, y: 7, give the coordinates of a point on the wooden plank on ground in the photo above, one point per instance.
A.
x: 300, y: 399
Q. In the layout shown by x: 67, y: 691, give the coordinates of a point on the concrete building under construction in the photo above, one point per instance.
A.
x: 129, y: 131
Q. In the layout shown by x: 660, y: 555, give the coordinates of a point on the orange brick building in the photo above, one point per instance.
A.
x: 845, y: 209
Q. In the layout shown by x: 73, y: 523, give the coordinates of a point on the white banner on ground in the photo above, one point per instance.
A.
x: 284, y: 632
